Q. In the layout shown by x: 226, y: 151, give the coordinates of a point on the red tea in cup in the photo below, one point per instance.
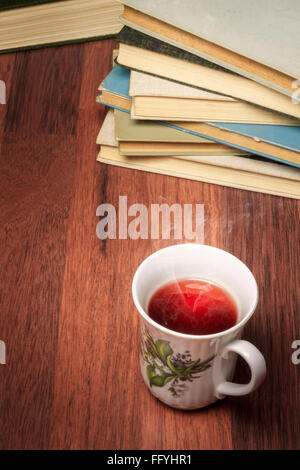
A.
x: 194, y: 307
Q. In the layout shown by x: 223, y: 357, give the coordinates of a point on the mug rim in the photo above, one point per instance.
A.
x: 177, y: 334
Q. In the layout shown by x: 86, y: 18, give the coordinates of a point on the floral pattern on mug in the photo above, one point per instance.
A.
x: 164, y: 366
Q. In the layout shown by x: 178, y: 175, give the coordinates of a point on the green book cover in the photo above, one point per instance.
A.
x: 135, y: 38
x: 134, y: 130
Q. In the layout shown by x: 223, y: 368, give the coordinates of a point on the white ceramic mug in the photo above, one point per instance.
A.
x: 206, y: 362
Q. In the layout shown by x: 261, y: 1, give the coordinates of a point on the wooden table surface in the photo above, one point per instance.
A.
x: 72, y: 378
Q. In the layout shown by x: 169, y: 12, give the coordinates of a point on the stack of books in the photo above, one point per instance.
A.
x: 27, y: 24
x: 199, y: 90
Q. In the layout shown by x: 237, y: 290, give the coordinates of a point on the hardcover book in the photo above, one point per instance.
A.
x: 156, y: 98
x: 148, y: 138
x: 131, y: 130
x: 179, y: 143
x: 205, y: 172
x: 144, y: 84
x: 27, y: 25
x: 242, y: 37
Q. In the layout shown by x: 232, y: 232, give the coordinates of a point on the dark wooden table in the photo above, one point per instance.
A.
x: 72, y: 379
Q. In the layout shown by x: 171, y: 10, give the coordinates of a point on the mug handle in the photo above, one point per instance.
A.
x: 255, y: 361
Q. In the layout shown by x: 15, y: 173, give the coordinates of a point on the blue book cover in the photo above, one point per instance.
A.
x: 285, y: 137
x: 117, y: 81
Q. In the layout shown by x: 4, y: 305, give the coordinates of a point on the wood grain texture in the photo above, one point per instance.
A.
x: 72, y: 378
